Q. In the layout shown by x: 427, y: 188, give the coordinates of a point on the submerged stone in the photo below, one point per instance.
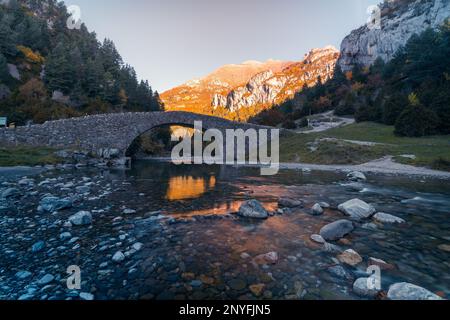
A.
x: 336, y: 230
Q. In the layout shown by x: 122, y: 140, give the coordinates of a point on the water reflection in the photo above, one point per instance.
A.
x: 219, y: 208
x: 188, y: 187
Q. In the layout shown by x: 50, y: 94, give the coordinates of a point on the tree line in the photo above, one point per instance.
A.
x: 410, y: 92
x: 63, y: 72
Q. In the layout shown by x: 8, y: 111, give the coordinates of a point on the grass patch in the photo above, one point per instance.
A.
x: 433, y: 152
x: 330, y: 152
x: 27, y: 156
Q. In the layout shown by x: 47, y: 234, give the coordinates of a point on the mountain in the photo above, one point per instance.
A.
x: 241, y: 91
x: 51, y: 68
x: 400, y: 19
x: 197, y: 95
x: 269, y: 88
x: 398, y: 76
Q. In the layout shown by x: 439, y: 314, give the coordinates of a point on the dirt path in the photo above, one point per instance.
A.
x: 324, y: 126
x: 384, y: 166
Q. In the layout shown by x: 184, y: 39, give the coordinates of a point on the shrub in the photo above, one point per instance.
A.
x: 289, y: 124
x: 303, y: 123
x: 368, y: 113
x: 344, y: 110
x: 416, y: 121
x: 30, y: 55
x: 393, y: 107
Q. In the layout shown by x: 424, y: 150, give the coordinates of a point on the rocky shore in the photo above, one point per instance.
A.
x: 56, y: 219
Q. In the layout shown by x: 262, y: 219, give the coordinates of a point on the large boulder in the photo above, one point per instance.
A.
x: 253, y: 209
x: 52, y: 204
x: 336, y: 230
x: 357, y: 209
x: 408, y: 291
x: 81, y: 218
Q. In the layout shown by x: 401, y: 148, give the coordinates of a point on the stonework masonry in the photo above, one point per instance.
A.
x: 107, y: 131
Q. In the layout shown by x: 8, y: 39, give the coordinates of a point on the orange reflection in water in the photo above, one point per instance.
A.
x: 187, y: 187
x: 220, y: 208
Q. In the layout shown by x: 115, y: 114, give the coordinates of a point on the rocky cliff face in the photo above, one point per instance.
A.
x: 269, y: 88
x: 196, y: 95
x: 242, y: 91
x: 399, y: 20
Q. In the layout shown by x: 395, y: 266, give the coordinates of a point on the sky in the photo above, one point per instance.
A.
x: 169, y: 42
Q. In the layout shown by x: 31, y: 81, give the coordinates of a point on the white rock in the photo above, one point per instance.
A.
x: 118, y: 257
x: 357, y: 209
x: 86, y: 296
x: 245, y: 255
x: 81, y: 218
x: 13, y: 71
x: 137, y: 246
x: 408, y: 291
x: 65, y: 236
x: 387, y: 218
x: 317, y: 210
x: 318, y: 238
x: 23, y: 274
x: 356, y: 176
x: 46, y: 279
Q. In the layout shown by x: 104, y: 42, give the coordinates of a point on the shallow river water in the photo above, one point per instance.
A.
x: 177, y: 227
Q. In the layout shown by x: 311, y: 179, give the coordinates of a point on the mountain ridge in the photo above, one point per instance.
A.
x: 239, y: 91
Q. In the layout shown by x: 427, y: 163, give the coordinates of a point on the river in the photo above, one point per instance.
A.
x: 181, y: 239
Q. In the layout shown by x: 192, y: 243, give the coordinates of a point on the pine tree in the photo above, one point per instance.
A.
x: 7, y: 38
x: 111, y: 89
x: 94, y: 78
x: 4, y: 74
x: 441, y: 106
x: 158, y: 103
x: 416, y: 120
x: 393, y: 107
x: 112, y: 61
x: 59, y: 71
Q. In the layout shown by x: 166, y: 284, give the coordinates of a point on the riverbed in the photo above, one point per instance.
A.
x: 180, y: 238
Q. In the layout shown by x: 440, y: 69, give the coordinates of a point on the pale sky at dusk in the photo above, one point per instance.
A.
x: 172, y: 41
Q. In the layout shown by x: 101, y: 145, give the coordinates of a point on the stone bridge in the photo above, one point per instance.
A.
x: 107, y: 131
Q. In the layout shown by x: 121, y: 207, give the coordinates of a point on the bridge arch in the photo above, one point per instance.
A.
x: 108, y: 131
